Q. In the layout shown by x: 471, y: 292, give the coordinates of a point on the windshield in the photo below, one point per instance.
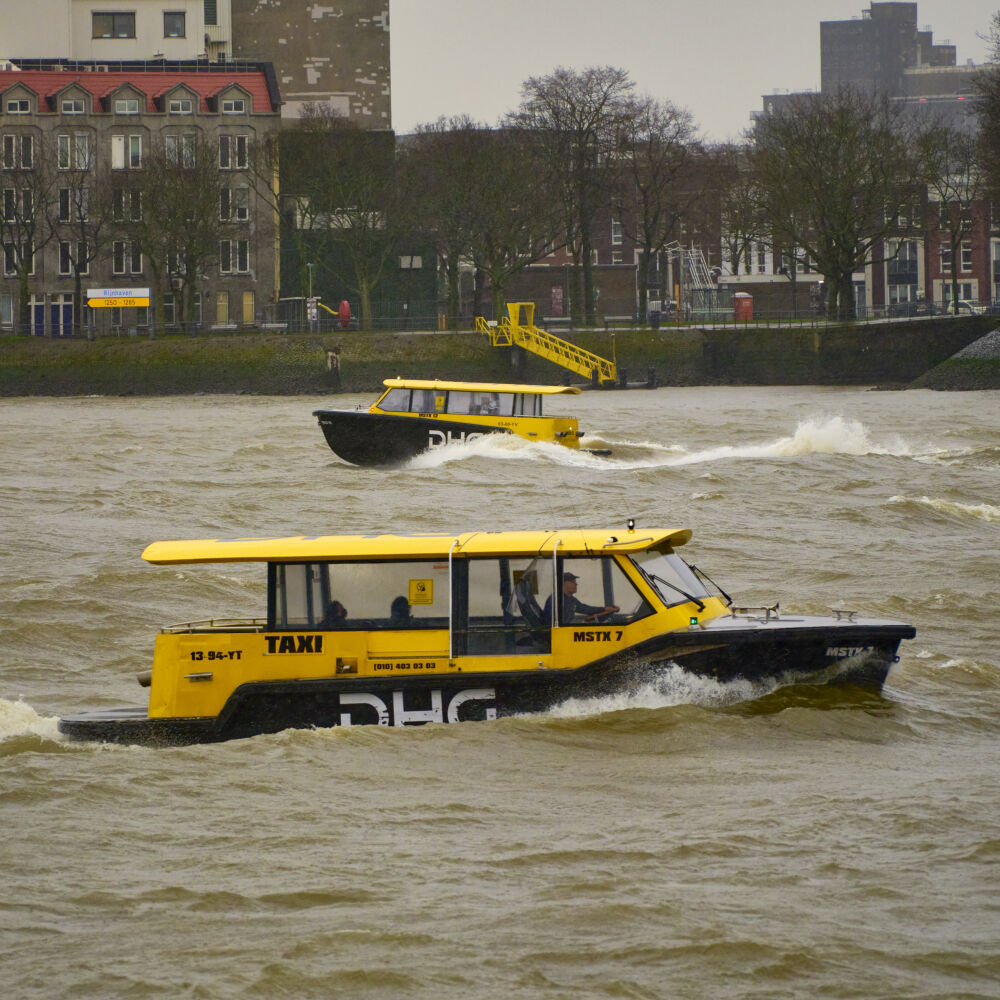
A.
x: 671, y: 577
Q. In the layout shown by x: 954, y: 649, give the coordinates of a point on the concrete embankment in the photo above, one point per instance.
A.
x: 895, y: 353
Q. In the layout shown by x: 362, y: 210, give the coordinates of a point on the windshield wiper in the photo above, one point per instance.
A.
x: 672, y: 586
x: 708, y: 579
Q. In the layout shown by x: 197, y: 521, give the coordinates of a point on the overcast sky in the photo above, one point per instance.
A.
x: 714, y: 57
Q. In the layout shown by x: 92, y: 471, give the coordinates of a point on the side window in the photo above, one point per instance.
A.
x: 395, y: 401
x: 597, y: 590
x: 375, y: 595
x: 498, y: 606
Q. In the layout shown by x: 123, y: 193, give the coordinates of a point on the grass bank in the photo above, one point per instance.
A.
x: 283, y: 364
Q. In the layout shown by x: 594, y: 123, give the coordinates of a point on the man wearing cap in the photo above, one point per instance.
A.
x: 571, y: 607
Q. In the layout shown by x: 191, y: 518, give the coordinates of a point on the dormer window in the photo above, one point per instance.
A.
x: 127, y: 106
x: 18, y: 107
x: 236, y: 106
x: 180, y: 106
x: 72, y: 106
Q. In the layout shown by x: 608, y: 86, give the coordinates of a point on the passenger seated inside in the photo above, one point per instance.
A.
x: 399, y: 612
x: 573, y: 608
x: 335, y: 617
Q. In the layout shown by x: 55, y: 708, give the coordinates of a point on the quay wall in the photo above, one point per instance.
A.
x: 893, y: 354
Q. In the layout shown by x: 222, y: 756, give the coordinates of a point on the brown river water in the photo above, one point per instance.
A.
x: 688, y: 840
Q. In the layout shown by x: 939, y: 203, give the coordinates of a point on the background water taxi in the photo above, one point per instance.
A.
x: 413, y: 415
x: 410, y: 629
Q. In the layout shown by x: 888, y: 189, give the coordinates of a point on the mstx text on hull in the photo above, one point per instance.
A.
x: 411, y: 629
x: 415, y: 415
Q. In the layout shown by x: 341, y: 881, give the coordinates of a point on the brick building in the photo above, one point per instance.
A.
x: 72, y: 132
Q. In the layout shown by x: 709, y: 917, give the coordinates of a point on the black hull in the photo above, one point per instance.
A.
x: 364, y: 438
x: 837, y: 653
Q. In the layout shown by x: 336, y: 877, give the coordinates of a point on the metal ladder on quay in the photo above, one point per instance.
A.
x: 511, y: 331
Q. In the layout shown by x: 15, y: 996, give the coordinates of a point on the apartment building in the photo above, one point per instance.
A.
x: 77, y: 141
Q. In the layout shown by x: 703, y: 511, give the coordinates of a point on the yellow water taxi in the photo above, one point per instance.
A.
x: 411, y: 629
x: 414, y: 415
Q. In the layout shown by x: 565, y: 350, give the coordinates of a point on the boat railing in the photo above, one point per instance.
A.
x: 219, y: 625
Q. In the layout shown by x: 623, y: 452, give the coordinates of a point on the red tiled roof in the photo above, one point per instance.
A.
x: 153, y: 84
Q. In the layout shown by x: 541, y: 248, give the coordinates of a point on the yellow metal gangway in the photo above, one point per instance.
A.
x: 510, y: 331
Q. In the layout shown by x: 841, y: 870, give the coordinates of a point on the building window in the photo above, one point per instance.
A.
x: 945, y: 258
x: 211, y: 12
x: 617, y: 257
x: 127, y: 205
x: 222, y: 307
x: 127, y: 106
x: 180, y: 150
x: 18, y: 152
x: 17, y: 205
x: 74, y: 151
x: 234, y: 257
x: 68, y: 264
x: 248, y: 308
x: 74, y: 204
x: 74, y: 106
x: 169, y: 309
x: 7, y: 312
x: 13, y: 255
x: 236, y: 106
x: 180, y: 106
x: 126, y: 257
x: 234, y: 204
x: 233, y: 151
x: 616, y: 233
x: 173, y: 24
x: 113, y: 24
x: 966, y: 258
x: 19, y: 107
x: 126, y: 152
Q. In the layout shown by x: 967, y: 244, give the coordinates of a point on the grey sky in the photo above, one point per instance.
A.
x: 714, y: 57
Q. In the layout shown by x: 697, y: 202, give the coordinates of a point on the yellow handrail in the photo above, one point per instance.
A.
x: 510, y: 331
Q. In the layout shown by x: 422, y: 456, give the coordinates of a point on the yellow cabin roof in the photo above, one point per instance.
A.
x: 360, y: 547
x: 545, y: 390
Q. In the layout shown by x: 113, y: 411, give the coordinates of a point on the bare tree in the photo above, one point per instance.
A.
x: 955, y: 182
x: 652, y: 188
x: 440, y: 171
x: 580, y: 115
x: 835, y: 171
x: 987, y: 84
x: 340, y: 195
x: 740, y: 202
x: 84, y: 218
x: 27, y: 218
x: 515, y: 221
x: 170, y: 211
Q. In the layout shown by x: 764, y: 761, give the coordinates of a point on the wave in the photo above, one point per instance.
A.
x: 18, y: 718
x: 982, y: 511
x: 834, y: 435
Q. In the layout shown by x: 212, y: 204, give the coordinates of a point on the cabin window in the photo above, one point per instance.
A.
x: 428, y: 401
x: 600, y: 583
x: 474, y: 403
x: 372, y: 595
x: 528, y: 404
x: 670, y: 577
x: 498, y: 606
x: 395, y: 401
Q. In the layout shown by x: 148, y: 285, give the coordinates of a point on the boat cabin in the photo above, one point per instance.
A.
x: 463, y: 399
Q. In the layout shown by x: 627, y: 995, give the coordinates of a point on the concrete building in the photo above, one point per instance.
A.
x: 75, y: 134
x: 116, y: 30
x: 333, y: 55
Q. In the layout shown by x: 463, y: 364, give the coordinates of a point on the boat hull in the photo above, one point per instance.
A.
x: 364, y: 438
x: 805, y: 650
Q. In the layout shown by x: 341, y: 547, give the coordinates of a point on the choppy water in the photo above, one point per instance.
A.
x: 692, y: 840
